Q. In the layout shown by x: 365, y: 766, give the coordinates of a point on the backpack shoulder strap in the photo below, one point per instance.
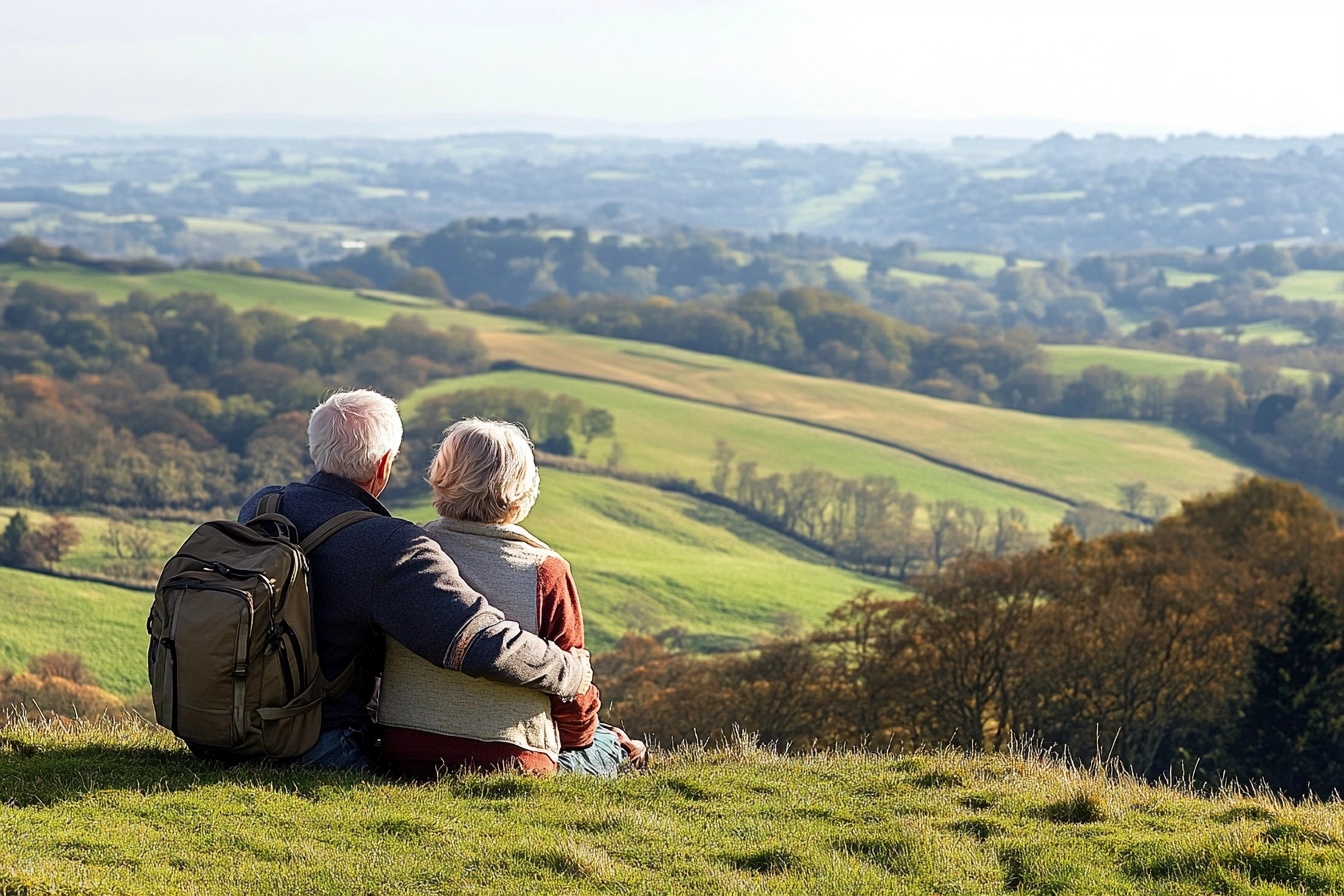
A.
x: 334, y: 525
x: 270, y: 506
x: 270, y: 503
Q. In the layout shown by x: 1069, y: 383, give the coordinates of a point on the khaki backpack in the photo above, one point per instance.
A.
x: 233, y: 666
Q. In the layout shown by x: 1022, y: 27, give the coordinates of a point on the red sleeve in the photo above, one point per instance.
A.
x: 560, y: 619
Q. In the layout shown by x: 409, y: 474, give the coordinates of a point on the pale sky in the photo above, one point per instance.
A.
x: 1140, y: 66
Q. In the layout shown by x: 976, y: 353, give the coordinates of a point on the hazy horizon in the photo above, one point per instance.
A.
x: 794, y: 70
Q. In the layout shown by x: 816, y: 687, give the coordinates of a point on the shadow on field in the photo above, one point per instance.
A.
x: 40, y: 768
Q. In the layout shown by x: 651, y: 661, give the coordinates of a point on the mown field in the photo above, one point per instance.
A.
x: 102, y: 624
x: 243, y: 292
x: 123, y: 809
x: 666, y: 435
x: 1077, y: 459
x: 1324, y: 286
x: 1071, y: 360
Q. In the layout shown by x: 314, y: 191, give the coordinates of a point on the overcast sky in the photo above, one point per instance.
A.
x: 1138, y: 66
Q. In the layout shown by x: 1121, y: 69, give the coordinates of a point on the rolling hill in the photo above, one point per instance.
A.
x: 648, y: 560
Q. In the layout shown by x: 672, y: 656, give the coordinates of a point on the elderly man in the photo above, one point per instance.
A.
x: 387, y: 576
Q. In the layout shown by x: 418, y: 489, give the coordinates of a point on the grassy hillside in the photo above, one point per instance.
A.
x: 660, y: 434
x: 241, y: 292
x: 1324, y: 286
x: 123, y: 809
x: 1079, y: 459
x: 645, y: 561
x: 102, y: 624
x: 1071, y: 360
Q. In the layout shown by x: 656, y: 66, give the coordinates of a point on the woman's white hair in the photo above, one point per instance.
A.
x: 484, y: 472
x: 350, y: 432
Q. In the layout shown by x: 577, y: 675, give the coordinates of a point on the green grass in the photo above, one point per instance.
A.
x: 1071, y: 360
x: 1323, y: 286
x: 1274, y: 331
x: 846, y: 268
x: 94, y: 556
x: 675, y: 436
x: 646, y: 560
x: 917, y: 278
x: 1178, y: 279
x: 676, y: 561
x: 241, y: 292
x: 981, y: 264
x: 102, y: 624
x: 818, y: 211
x: 121, y: 808
x: 1080, y: 459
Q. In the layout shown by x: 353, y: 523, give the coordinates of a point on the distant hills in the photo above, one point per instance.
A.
x: 105, y: 188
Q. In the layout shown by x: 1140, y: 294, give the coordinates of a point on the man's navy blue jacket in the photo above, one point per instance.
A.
x: 386, y: 576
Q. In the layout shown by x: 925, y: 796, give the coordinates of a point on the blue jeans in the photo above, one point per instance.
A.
x: 602, y: 758
x: 338, y: 749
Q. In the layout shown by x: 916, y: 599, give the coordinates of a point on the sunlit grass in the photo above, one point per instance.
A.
x: 646, y: 560
x: 677, y: 437
x: 103, y: 625
x: 121, y: 808
x: 1072, y: 360
x: 1082, y: 459
x: 1323, y: 286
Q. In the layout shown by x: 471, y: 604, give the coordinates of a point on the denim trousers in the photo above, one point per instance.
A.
x: 602, y: 758
x: 339, y: 749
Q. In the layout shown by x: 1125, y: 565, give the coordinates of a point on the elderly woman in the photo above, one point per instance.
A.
x: 485, y: 481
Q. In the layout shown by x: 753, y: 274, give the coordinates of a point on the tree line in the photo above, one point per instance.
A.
x: 1213, y: 642
x: 867, y: 523
x: 182, y: 401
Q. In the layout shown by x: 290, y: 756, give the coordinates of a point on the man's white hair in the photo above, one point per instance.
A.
x: 350, y: 432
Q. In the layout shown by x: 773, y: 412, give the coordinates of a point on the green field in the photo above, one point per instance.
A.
x: 1178, y: 279
x: 1071, y: 360
x: 124, y: 809
x: 646, y: 560
x: 679, y: 562
x: 1081, y: 459
x: 674, y: 436
x: 1275, y: 332
x: 818, y: 211
x: 242, y: 292
x: 981, y: 264
x: 1323, y: 286
x: 917, y: 278
x: 102, y: 624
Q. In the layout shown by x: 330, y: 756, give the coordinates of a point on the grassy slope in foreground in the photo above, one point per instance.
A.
x: 677, y: 437
x: 1080, y: 459
x: 645, y: 560
x: 125, y: 810
x: 102, y: 624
